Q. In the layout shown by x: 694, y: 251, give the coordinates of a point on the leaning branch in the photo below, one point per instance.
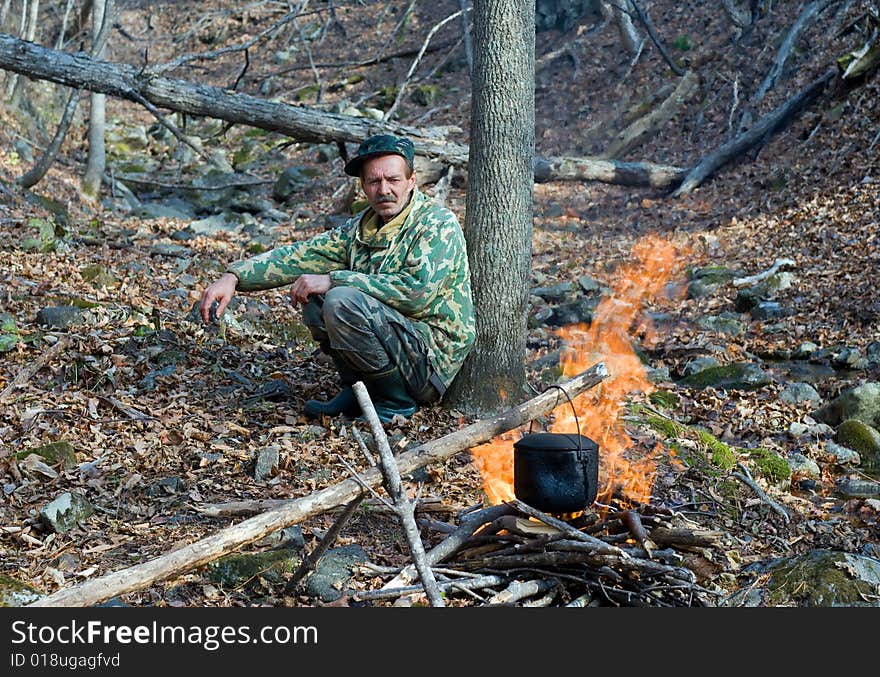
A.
x: 766, y: 126
x: 226, y: 540
x: 299, y: 122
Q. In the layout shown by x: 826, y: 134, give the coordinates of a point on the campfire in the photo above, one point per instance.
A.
x: 619, y: 548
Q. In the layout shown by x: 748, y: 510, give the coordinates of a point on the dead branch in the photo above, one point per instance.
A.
x: 688, y: 537
x: 633, y: 522
x: 778, y: 265
x: 647, y: 126
x: 596, y: 544
x: 652, y: 33
x: 28, y: 371
x: 208, y: 549
x: 299, y: 122
x: 635, y: 174
x: 394, y: 486
x: 417, y: 61
x: 519, y: 590
x: 309, y: 562
x: 787, y: 46
x: 746, y: 478
x: 769, y: 124
x: 451, y: 544
x: 471, y: 583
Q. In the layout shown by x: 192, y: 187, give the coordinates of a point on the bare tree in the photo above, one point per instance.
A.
x: 30, y: 11
x: 102, y: 12
x: 498, y: 222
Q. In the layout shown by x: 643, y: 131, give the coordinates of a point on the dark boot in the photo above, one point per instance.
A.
x: 345, y: 402
x: 390, y: 397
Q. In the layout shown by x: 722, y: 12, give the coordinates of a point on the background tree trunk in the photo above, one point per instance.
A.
x: 498, y: 221
x: 30, y: 12
x: 97, y: 160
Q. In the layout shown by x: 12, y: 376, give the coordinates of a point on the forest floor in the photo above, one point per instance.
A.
x: 808, y: 194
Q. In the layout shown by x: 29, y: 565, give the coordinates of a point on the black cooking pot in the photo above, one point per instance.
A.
x: 556, y: 472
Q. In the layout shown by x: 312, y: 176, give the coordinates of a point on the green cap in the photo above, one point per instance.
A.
x: 381, y: 144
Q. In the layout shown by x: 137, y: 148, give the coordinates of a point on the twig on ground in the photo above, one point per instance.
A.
x: 403, y: 505
x: 746, y: 478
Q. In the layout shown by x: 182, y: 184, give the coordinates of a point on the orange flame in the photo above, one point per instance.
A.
x: 597, y: 411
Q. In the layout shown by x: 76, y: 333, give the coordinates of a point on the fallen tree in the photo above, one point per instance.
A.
x: 201, y: 552
x: 302, y: 123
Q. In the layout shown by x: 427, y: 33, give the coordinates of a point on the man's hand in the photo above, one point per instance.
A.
x: 220, y: 292
x: 306, y: 285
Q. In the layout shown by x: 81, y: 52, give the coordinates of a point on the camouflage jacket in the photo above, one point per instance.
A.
x: 419, y: 268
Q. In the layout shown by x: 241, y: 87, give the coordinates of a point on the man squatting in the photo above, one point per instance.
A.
x: 387, y: 295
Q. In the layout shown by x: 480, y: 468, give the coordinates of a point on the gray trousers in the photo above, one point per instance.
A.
x: 366, y: 337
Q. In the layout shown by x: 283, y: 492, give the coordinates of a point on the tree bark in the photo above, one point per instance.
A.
x: 498, y: 222
x: 299, y: 122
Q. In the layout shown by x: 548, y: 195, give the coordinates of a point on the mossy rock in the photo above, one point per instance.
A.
x: 9, y: 336
x: 771, y: 465
x: 16, y: 593
x: 712, y: 274
x: 53, y: 452
x: 736, y: 376
x: 821, y: 578
x: 861, y: 402
x: 862, y: 438
x: 98, y: 276
x: 720, y: 454
x: 240, y: 568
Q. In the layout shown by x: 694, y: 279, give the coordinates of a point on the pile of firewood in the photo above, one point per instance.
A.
x: 512, y: 554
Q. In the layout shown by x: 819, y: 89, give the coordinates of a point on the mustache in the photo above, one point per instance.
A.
x: 386, y: 198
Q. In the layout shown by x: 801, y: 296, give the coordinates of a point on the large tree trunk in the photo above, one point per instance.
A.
x: 97, y: 160
x: 299, y: 122
x: 498, y: 222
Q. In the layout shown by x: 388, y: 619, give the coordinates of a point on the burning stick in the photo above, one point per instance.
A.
x: 633, y: 522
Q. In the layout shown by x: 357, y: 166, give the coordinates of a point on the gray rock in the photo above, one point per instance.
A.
x: 539, y: 312
x: 821, y: 578
x: 795, y: 393
x: 23, y: 148
x: 848, y: 357
x: 698, y: 364
x: 843, y: 455
x: 574, y: 312
x: 60, y: 316
x: 554, y: 294
x: 803, y: 467
x: 66, y: 511
x: 333, y: 571
x: 14, y: 592
x: 767, y: 310
x: 170, y: 250
x: 216, y: 223
x: 167, y: 486
x: 735, y: 376
x: 806, y: 349
x: 266, y: 462
x: 291, y: 181
x: 852, y: 487
x: 240, y: 568
x: 162, y: 210
x: 588, y: 285
x: 724, y: 323
x: 873, y: 352
x: 861, y: 402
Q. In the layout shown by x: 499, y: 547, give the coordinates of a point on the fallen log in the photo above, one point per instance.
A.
x: 299, y: 122
x: 201, y: 552
x: 769, y: 124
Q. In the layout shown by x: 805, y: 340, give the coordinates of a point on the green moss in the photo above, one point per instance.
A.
x: 238, y: 569
x: 770, y: 464
x: 53, y: 452
x: 664, y: 426
x: 14, y: 593
x: 721, y: 455
x: 664, y: 398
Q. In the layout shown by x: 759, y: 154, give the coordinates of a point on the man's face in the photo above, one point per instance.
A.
x: 386, y: 184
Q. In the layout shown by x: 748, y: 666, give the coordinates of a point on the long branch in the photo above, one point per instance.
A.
x: 208, y: 549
